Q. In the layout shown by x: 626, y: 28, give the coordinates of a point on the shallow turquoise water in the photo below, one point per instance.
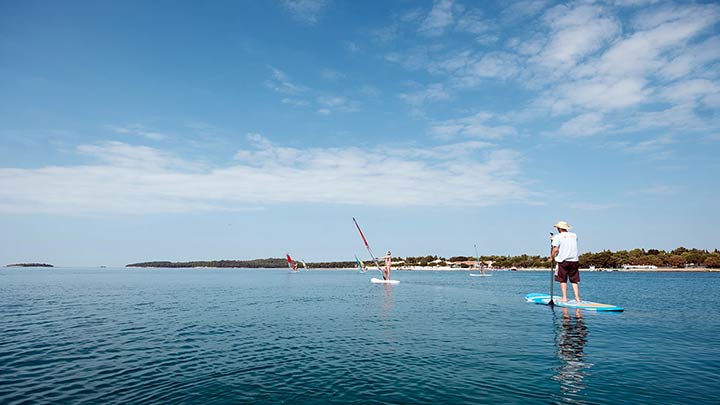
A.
x: 267, y: 336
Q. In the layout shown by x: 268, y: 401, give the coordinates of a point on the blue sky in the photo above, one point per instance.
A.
x: 169, y: 130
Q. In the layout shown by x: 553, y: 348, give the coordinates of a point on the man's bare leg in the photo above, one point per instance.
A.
x: 576, y: 290
x: 563, y: 288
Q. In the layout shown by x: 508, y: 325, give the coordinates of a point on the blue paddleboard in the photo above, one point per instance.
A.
x: 544, y: 299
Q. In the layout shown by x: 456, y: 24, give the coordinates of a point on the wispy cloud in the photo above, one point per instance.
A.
x: 575, y: 33
x: 440, y: 17
x: 139, y: 130
x: 301, y: 96
x: 481, y: 125
x: 654, y: 148
x: 599, y: 68
x: 657, y: 190
x: 332, y: 75
x: 592, y: 206
x: 305, y: 11
x: 583, y: 125
x: 423, y: 95
x: 280, y: 82
x: 138, y: 180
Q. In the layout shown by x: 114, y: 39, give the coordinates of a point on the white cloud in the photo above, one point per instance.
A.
x: 523, y: 9
x: 301, y: 96
x: 120, y: 154
x: 633, y: 3
x: 597, y: 94
x: 139, y: 180
x: 137, y: 129
x: 692, y: 60
x: 412, y: 59
x: 332, y: 75
x: 295, y: 102
x: 575, y: 33
x: 473, y: 22
x: 370, y: 91
x: 583, y: 125
x: 609, y: 70
x: 305, y: 11
x: 676, y: 118
x: 690, y: 91
x: 652, y: 149
x: 593, y: 206
x: 660, y: 37
x: 330, y: 103
x: 352, y: 47
x: 440, y: 17
x: 479, y: 125
x: 466, y: 69
x: 431, y: 93
x: 658, y: 190
x: 281, y: 83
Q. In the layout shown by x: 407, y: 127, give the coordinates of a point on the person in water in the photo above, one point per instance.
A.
x: 388, y: 261
x: 565, y: 253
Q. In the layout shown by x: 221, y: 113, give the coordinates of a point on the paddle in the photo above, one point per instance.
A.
x: 552, y: 268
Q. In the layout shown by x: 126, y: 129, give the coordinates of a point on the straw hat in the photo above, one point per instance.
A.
x: 562, y: 225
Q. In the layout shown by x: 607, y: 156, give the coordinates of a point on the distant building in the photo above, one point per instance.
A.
x: 638, y: 267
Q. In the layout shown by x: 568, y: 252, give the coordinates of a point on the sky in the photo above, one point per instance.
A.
x: 181, y: 130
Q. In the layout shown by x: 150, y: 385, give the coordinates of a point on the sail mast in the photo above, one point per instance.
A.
x: 366, y: 244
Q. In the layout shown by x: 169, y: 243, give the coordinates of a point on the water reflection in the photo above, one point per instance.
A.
x: 571, y: 335
x: 388, y: 304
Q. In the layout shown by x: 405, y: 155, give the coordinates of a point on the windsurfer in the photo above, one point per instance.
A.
x: 388, y: 262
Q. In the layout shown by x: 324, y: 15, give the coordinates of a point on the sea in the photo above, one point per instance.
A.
x: 238, y: 336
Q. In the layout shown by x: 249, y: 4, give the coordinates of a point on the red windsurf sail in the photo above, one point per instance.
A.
x: 291, y: 263
x: 367, y: 245
x: 361, y: 234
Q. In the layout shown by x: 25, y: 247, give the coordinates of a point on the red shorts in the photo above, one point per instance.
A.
x: 567, y: 270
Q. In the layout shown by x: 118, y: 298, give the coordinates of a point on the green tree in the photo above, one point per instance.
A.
x: 712, y: 260
x: 676, y: 261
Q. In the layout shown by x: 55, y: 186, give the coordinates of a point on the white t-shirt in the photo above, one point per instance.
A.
x: 567, y: 241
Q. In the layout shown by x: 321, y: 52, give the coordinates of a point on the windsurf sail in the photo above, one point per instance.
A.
x: 304, y: 265
x: 361, y: 265
x: 291, y: 263
x: 366, y: 244
x: 479, y: 263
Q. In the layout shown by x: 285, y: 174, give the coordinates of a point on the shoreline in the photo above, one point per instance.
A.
x: 585, y: 270
x: 402, y: 269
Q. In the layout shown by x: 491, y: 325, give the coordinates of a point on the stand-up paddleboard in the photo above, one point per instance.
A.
x: 381, y: 281
x: 480, y: 275
x: 544, y: 299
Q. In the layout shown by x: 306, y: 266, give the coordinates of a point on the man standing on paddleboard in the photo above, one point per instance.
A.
x: 565, y: 254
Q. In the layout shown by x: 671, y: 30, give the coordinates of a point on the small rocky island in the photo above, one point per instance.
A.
x: 29, y: 265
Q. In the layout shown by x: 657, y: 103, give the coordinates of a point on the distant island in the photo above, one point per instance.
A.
x: 29, y: 265
x: 269, y: 263
x: 680, y: 258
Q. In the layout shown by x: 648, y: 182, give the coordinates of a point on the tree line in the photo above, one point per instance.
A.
x: 677, y: 258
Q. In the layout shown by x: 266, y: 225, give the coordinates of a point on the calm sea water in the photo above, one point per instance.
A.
x: 266, y: 336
